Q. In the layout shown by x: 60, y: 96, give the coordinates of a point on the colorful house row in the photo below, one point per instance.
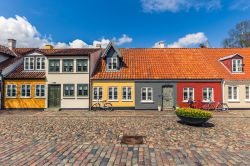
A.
x: 129, y: 78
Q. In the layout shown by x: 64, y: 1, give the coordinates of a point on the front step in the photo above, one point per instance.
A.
x: 52, y: 109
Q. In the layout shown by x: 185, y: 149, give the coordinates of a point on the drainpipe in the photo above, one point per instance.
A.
x: 223, y: 90
x: 2, y: 93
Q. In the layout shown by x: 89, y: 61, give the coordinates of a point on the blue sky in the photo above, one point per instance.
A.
x: 141, y: 23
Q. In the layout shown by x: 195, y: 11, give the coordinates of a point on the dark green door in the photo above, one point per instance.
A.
x: 54, y: 98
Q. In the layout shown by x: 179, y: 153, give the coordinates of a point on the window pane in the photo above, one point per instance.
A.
x: 115, y: 93
x: 144, y: 94
x: 247, y: 92
x: 150, y: 93
x: 204, y: 94
x: 229, y: 92
x: 235, y: 93
x: 129, y: 94
x: 185, y: 94
x: 100, y: 93
x: 110, y: 93
x: 124, y: 94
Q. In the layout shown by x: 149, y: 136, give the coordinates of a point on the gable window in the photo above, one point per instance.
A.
x: 188, y: 93
x: 68, y: 65
x: 113, y: 94
x: 247, y: 93
x: 146, y: 94
x: 54, y: 65
x: 233, y: 94
x: 97, y: 93
x: 207, y: 94
x: 68, y: 90
x: 112, y: 63
x: 82, y: 65
x: 237, y: 65
x: 126, y: 94
x: 40, y: 63
x: 82, y: 90
x: 11, y: 90
x: 25, y: 90
x: 40, y: 90
x: 29, y: 63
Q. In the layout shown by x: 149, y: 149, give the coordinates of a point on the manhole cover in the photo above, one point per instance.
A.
x: 132, y: 140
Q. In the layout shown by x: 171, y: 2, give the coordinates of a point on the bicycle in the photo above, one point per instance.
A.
x: 102, y: 105
x: 217, y: 106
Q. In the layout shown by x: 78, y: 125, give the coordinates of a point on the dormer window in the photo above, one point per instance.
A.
x: 112, y: 63
x: 237, y: 65
x: 29, y: 63
x: 40, y: 63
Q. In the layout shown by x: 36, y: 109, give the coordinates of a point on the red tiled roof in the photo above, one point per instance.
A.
x: 174, y: 63
x: 19, y: 73
x: 6, y: 51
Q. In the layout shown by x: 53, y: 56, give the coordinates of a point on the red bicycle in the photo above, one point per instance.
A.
x: 211, y: 105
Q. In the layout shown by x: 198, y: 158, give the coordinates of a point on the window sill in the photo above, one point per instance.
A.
x: 82, y: 72
x: 10, y: 97
x: 113, y: 100
x: 69, y: 97
x: 82, y: 97
x: 247, y: 101
x: 147, y: 101
x: 127, y: 100
x: 233, y: 101
x: 25, y: 97
x: 97, y: 100
x: 40, y: 97
x: 205, y: 101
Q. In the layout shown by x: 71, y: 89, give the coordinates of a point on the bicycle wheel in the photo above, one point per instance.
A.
x: 95, y: 107
x: 225, y: 107
x: 108, y: 107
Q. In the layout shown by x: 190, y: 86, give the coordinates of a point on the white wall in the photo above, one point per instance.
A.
x: 241, y: 103
x: 69, y: 78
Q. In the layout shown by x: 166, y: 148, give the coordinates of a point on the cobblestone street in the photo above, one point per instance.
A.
x: 81, y: 138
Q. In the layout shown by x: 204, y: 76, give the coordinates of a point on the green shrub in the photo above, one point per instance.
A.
x: 193, y: 113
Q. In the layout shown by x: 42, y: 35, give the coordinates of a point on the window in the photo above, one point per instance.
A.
x: 112, y: 63
x: 126, y: 94
x: 40, y: 90
x: 83, y: 90
x: 40, y: 63
x: 146, y: 94
x: 11, y: 91
x: 237, y: 65
x: 233, y: 93
x: 188, y: 93
x: 68, y: 90
x: 97, y: 93
x: 207, y: 94
x: 82, y: 65
x: 113, y: 94
x: 28, y: 63
x: 25, y: 91
x: 247, y: 93
x: 68, y: 65
x: 54, y: 65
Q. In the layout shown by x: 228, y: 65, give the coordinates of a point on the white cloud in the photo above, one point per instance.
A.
x: 189, y: 40
x: 26, y: 34
x: 240, y: 5
x: 178, y: 5
x: 20, y: 29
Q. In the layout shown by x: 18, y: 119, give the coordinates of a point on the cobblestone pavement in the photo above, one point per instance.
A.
x: 46, y: 139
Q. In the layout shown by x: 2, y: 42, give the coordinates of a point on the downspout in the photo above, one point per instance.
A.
x: 223, y: 89
x: 2, y: 88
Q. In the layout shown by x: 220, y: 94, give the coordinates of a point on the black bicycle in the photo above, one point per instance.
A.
x: 102, y: 106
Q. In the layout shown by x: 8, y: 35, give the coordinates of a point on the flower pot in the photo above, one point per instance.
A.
x: 159, y: 108
x: 193, y: 121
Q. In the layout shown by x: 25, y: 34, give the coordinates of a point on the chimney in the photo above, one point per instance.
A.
x: 49, y: 46
x: 11, y: 43
x: 98, y: 45
x: 161, y: 44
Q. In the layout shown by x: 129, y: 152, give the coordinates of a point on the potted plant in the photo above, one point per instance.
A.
x: 159, y: 103
x: 193, y: 116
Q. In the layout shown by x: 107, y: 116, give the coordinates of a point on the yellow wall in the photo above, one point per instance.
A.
x: 19, y: 102
x: 106, y: 84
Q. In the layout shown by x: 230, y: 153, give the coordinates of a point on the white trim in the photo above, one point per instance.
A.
x: 26, y: 85
x: 77, y: 66
x: 41, y: 62
x: 40, y: 91
x: 113, y: 93
x: 237, y: 67
x: 147, y: 100
x: 229, y: 56
x: 97, y: 93
x: 188, y: 88
x: 29, y: 60
x: 127, y: 87
x: 111, y: 60
x: 207, y: 91
x: 11, y: 89
x: 232, y: 94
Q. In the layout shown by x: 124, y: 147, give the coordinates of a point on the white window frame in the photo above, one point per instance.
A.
x: 207, y: 91
x: 232, y: 94
x: 113, y: 93
x: 40, y: 91
x: 111, y: 60
x: 26, y: 89
x: 235, y: 61
x: 84, y: 85
x: 97, y: 93
x: 126, y: 96
x: 147, y: 90
x: 28, y: 59
x: 40, y: 60
x: 247, y: 99
x: 11, y: 90
x: 188, y: 93
x: 82, y: 66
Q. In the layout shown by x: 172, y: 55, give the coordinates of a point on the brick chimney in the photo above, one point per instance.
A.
x: 11, y: 44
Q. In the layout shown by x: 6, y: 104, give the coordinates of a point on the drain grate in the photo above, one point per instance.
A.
x: 132, y: 140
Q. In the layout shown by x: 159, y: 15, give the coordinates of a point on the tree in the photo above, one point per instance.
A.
x: 239, y: 37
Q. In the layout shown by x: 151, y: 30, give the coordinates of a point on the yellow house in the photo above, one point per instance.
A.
x: 25, y: 87
x: 119, y: 93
